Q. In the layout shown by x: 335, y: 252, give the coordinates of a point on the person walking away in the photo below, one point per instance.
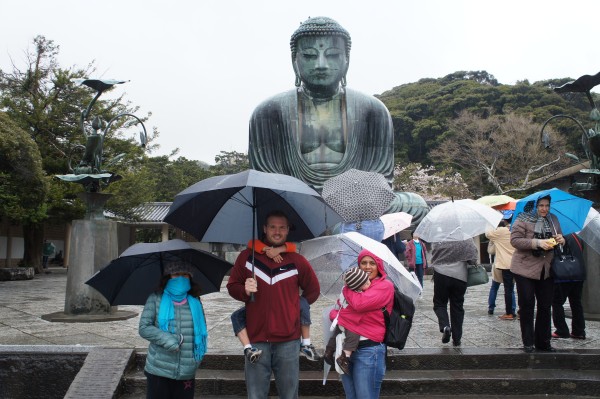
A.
x: 173, y: 321
x: 416, y: 256
x: 571, y: 290
x: 450, y: 261
x: 364, y: 316
x: 273, y: 318
x: 531, y: 237
x: 500, y: 238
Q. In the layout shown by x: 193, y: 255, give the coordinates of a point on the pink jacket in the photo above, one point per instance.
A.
x: 363, y: 315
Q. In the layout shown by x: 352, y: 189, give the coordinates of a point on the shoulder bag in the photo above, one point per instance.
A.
x: 567, y: 267
x: 476, y: 275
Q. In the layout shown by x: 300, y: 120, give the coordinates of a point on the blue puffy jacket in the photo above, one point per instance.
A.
x: 163, y: 358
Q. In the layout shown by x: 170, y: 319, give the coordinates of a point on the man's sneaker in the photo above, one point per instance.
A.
x: 310, y: 352
x: 490, y: 311
x: 252, y: 354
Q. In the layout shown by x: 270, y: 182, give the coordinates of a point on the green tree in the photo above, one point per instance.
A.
x: 23, y: 183
x: 44, y: 100
x: 230, y: 162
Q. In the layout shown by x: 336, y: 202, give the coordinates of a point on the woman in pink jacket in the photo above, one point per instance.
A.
x: 364, y: 316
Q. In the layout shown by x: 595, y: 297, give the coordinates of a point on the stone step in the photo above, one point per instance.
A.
x: 436, y: 359
x: 563, y: 383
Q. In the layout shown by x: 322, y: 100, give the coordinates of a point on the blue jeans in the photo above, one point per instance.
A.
x: 238, y: 318
x: 367, y: 368
x: 494, y: 292
x: 282, y: 359
x: 419, y: 272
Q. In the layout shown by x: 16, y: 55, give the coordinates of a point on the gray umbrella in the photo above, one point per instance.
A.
x: 357, y: 195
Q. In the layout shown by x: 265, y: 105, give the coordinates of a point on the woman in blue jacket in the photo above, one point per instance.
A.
x: 174, y: 323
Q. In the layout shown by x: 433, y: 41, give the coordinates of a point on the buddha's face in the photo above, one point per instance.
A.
x: 321, y: 62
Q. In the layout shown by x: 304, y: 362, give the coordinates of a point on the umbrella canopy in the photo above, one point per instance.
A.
x: 495, y: 200
x: 133, y: 276
x: 230, y: 208
x: 457, y: 221
x: 358, y: 195
x: 395, y: 222
x: 591, y: 230
x: 570, y: 210
x: 330, y: 256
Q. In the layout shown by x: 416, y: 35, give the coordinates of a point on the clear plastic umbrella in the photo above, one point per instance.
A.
x: 590, y: 233
x: 457, y: 221
x: 330, y: 256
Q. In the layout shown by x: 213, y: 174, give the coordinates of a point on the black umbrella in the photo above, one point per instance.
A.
x: 133, y: 276
x: 228, y: 208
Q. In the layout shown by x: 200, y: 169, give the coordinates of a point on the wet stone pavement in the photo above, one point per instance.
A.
x: 23, y: 303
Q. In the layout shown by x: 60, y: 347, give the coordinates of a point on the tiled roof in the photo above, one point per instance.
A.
x: 151, y: 211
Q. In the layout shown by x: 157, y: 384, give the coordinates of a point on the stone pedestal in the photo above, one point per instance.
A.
x: 93, y: 245
x: 591, y: 287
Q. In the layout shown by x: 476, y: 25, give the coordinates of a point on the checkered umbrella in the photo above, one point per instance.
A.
x: 357, y: 195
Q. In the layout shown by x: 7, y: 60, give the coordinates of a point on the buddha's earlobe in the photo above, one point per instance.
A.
x: 343, y: 82
x: 298, y: 81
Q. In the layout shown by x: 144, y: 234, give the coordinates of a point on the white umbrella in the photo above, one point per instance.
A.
x: 395, y: 222
x: 457, y: 221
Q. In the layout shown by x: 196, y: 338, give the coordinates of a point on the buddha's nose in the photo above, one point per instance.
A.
x: 322, y: 61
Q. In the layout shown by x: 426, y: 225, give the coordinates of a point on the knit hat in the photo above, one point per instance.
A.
x: 178, y: 266
x: 355, y: 278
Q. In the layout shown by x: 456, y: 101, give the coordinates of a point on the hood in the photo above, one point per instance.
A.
x: 366, y: 252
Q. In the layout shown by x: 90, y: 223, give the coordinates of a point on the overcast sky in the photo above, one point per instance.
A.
x: 202, y: 66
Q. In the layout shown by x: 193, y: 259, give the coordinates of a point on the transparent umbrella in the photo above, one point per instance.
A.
x: 330, y: 256
x: 457, y: 221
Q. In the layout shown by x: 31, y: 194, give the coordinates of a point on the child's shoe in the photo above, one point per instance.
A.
x: 343, y: 362
x: 252, y: 354
x: 310, y: 352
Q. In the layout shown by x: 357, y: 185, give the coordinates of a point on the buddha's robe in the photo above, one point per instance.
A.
x: 282, y: 135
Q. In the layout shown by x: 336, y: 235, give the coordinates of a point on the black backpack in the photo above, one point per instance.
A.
x: 399, y: 322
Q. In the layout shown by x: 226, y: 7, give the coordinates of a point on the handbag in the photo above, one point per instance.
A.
x: 566, y: 266
x: 476, y: 275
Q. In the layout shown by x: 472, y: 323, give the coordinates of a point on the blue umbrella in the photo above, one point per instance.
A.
x: 570, y: 210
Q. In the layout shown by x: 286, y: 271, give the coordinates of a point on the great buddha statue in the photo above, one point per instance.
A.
x: 321, y: 128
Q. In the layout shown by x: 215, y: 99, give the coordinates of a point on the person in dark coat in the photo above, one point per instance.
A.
x: 571, y: 289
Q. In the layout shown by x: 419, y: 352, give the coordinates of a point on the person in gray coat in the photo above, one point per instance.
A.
x: 173, y: 321
x: 450, y: 261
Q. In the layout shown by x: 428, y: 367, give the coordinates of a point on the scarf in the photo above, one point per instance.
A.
x: 177, y: 290
x: 543, y: 225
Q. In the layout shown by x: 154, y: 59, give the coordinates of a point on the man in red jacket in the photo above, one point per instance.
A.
x: 273, y: 319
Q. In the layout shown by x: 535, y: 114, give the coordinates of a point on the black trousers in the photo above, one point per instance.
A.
x: 449, y: 289
x: 530, y: 291
x: 573, y: 291
x: 509, y: 286
x: 166, y: 388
